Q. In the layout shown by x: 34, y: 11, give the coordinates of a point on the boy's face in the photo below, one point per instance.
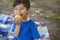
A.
x: 21, y: 10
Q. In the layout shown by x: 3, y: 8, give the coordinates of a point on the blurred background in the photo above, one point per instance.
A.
x: 47, y: 11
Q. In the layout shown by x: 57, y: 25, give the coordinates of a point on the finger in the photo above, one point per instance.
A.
x: 16, y: 19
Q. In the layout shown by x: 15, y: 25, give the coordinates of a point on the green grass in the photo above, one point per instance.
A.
x: 10, y: 1
x: 54, y: 18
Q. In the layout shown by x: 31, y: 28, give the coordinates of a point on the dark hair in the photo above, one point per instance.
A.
x: 26, y: 3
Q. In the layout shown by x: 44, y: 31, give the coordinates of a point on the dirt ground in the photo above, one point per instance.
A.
x: 38, y: 11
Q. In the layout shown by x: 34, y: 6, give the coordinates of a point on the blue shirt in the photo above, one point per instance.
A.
x: 28, y: 31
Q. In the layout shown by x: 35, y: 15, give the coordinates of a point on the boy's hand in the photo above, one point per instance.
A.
x: 17, y: 19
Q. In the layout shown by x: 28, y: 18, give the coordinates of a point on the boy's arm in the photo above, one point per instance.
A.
x: 17, y: 30
x: 17, y: 20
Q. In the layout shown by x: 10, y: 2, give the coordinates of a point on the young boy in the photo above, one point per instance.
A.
x: 23, y: 27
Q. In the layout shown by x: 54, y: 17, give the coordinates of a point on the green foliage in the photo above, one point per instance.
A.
x: 54, y: 18
x: 10, y: 1
x: 55, y: 38
x: 58, y: 2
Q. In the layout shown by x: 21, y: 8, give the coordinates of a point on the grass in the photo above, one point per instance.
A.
x: 54, y: 18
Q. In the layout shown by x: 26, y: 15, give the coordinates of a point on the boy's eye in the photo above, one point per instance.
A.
x: 21, y: 8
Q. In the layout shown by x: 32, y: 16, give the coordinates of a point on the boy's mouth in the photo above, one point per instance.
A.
x: 20, y: 14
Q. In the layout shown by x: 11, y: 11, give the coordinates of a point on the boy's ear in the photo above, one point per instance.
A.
x: 28, y: 11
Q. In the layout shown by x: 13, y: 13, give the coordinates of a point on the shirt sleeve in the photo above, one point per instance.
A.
x: 34, y: 31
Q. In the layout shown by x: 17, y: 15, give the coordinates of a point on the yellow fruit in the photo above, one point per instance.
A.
x: 18, y: 16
